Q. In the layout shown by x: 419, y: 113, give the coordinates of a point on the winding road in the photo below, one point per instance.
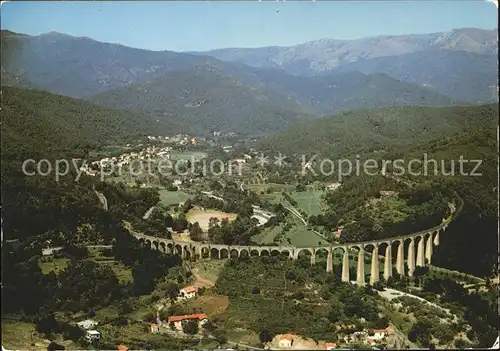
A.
x: 297, y: 214
x: 148, y: 212
x: 261, y: 215
x: 391, y: 294
x: 102, y: 199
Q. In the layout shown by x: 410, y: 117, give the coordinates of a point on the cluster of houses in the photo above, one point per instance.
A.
x: 373, y: 339
x: 243, y: 159
x: 176, y: 323
x: 91, y: 335
x: 333, y: 186
x: 126, y: 159
x: 181, y: 139
x: 387, y: 193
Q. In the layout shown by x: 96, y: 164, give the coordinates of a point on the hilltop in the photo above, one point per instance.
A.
x: 206, y: 98
x: 388, y: 129
x: 39, y: 123
x: 215, y: 97
x: 79, y: 66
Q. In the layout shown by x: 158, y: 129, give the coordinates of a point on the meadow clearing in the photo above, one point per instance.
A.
x: 203, y: 216
x: 168, y: 198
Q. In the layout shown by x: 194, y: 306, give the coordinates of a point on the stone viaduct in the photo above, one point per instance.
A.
x: 416, y: 249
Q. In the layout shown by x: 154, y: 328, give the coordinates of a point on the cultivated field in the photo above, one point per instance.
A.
x: 211, y: 305
x: 182, y: 237
x: 267, y: 235
x: 203, y: 216
x: 56, y: 265
x: 172, y: 197
x: 298, y: 235
x: 310, y: 201
x: 18, y: 335
x: 206, y: 271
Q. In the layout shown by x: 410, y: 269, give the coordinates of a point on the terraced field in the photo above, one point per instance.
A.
x: 172, y: 197
x: 311, y: 201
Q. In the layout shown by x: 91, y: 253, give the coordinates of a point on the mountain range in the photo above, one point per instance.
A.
x: 258, y: 90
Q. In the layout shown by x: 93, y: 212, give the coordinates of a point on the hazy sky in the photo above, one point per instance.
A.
x: 204, y: 25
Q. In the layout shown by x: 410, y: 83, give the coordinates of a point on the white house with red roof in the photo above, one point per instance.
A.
x: 285, y: 340
x: 330, y: 346
x: 178, y: 321
x: 188, y: 292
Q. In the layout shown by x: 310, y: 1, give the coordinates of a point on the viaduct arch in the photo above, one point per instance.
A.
x: 418, y: 253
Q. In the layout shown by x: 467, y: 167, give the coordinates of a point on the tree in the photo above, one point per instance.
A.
x: 334, y: 315
x: 72, y: 332
x: 255, y: 290
x: 180, y: 223
x: 220, y: 336
x: 215, y: 185
x: 299, y: 295
x: 172, y: 291
x: 190, y: 327
x: 126, y: 307
x: 419, y: 273
x: 144, y: 279
x: 462, y: 344
x: 381, y: 323
x: 378, y: 286
x: 55, y: 346
x: 47, y: 324
x: 265, y: 336
x: 150, y: 317
x: 300, y: 187
x: 195, y: 232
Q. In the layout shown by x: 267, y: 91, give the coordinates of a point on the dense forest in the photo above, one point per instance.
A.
x: 273, y: 295
x: 40, y: 124
x: 371, y: 132
x: 365, y: 215
x: 256, y: 290
x: 440, y: 134
x: 40, y: 212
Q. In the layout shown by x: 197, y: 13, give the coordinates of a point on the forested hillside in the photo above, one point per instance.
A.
x: 79, y: 66
x: 471, y: 241
x: 40, y: 124
x: 40, y: 212
x: 202, y: 92
x: 325, y: 95
x: 206, y: 98
x: 390, y: 129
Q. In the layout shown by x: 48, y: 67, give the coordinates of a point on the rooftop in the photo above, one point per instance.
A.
x: 173, y: 319
x: 286, y: 337
x: 190, y: 289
